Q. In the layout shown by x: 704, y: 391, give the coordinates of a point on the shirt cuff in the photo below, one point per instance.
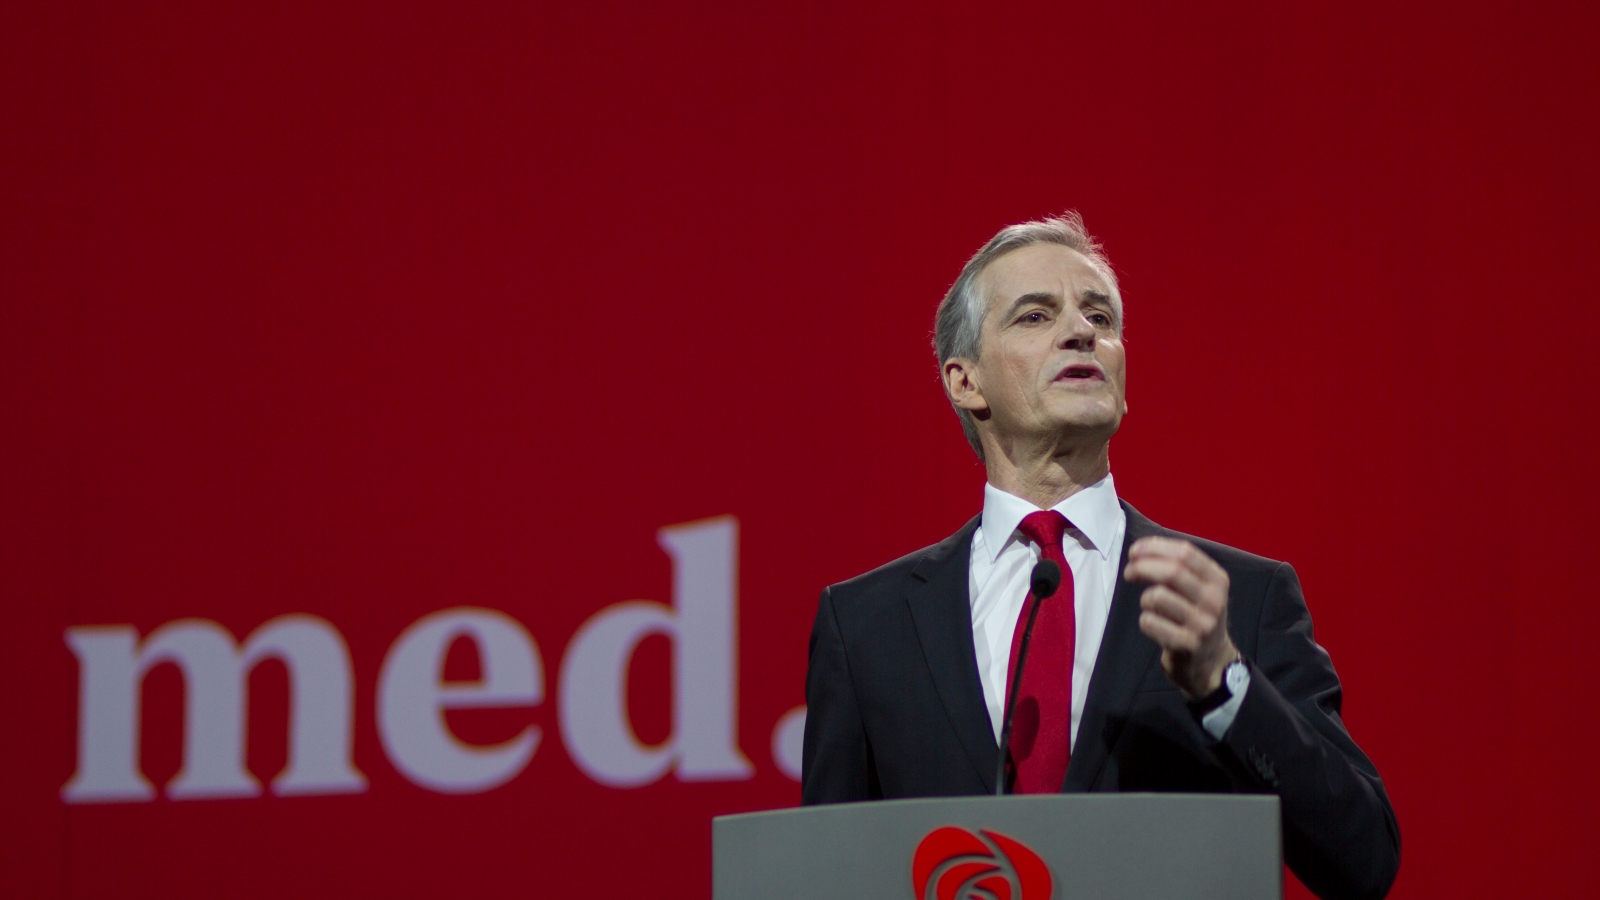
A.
x: 1217, y: 722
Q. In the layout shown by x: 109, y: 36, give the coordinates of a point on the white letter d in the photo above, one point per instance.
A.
x: 702, y: 625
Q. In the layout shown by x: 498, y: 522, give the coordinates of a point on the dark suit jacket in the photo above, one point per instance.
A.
x: 895, y: 709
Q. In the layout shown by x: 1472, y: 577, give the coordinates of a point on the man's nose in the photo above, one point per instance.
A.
x: 1076, y: 332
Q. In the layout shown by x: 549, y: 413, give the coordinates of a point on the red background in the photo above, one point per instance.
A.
x: 366, y: 312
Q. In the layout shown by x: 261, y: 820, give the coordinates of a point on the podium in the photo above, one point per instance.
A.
x: 1035, y: 847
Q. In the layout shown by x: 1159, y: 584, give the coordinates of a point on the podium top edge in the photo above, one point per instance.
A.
x: 1131, y: 798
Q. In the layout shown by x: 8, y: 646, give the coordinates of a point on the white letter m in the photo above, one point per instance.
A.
x: 112, y: 664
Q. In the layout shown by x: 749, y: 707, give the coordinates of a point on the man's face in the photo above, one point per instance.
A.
x: 1052, y: 362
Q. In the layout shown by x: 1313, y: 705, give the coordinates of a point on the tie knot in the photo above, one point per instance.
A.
x: 1045, y: 528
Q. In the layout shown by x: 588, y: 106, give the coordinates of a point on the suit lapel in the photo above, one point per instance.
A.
x: 1126, y: 654
x: 942, y: 612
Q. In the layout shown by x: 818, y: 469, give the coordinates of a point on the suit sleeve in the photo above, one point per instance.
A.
x: 1340, y: 836
x: 836, y: 764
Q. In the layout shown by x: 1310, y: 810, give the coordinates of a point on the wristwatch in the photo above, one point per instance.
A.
x: 1234, y: 678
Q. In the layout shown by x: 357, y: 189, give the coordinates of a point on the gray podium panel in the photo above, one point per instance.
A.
x: 1103, y: 846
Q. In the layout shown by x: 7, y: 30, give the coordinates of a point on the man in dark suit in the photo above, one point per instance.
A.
x: 1164, y: 662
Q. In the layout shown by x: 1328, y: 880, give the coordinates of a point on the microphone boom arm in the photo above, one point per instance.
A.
x: 1043, y: 583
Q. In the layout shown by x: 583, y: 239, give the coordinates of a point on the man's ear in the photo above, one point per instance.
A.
x: 961, y: 383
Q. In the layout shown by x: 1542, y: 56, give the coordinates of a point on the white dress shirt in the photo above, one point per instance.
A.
x: 1002, y: 562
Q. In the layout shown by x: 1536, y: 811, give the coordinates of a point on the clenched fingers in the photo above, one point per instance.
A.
x: 1173, y: 607
x: 1177, y: 550
x: 1168, y: 635
x: 1169, y: 573
x: 1181, y: 567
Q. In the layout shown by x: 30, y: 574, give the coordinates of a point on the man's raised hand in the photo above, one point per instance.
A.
x: 1185, y: 611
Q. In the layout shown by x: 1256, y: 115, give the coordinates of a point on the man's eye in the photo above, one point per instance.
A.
x: 1034, y: 317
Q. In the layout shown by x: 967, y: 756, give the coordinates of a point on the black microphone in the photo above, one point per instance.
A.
x: 1043, y: 583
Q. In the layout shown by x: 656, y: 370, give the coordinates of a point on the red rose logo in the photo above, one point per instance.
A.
x: 955, y: 864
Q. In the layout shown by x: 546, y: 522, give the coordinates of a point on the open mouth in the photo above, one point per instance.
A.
x: 1081, y: 372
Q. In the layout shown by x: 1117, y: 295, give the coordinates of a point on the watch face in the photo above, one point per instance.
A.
x: 1236, y: 676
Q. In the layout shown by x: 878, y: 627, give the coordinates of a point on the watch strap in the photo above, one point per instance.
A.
x: 1214, y: 700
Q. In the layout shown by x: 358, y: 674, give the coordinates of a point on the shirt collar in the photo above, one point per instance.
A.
x: 1092, y: 511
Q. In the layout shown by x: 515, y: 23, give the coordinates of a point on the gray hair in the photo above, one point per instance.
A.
x: 958, y: 326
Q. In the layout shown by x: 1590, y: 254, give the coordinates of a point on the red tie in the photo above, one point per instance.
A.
x: 1041, y: 729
